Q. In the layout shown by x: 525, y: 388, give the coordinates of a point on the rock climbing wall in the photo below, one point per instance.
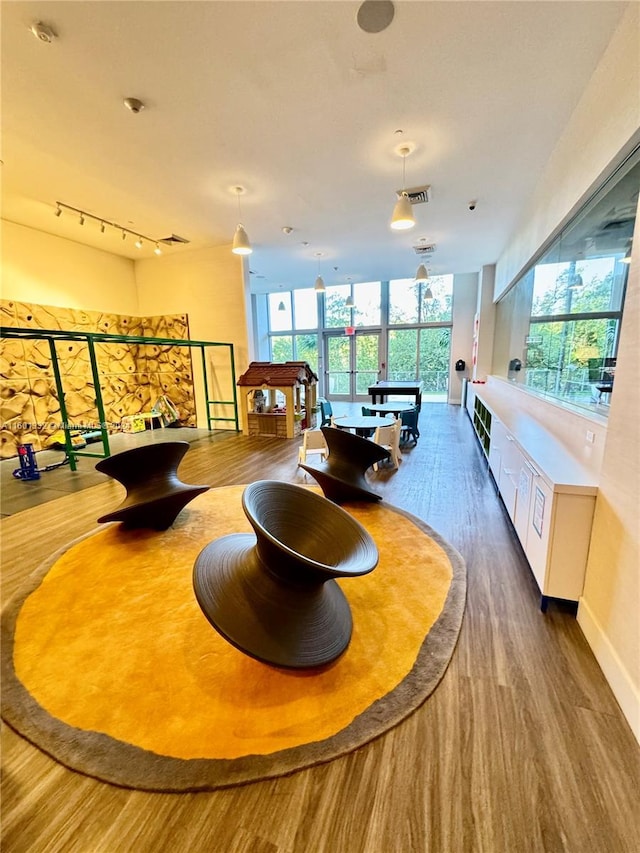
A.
x: 132, y: 376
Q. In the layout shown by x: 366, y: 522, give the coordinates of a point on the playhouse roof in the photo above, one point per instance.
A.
x: 278, y: 374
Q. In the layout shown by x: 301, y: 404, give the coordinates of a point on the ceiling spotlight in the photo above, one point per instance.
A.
x: 319, y: 285
x: 124, y: 234
x: 133, y: 104
x: 402, y: 217
x: 138, y: 243
x: 157, y: 250
x: 241, y: 244
x: 102, y: 227
x: 287, y: 229
x: 43, y: 32
x: 81, y: 220
x: 58, y: 211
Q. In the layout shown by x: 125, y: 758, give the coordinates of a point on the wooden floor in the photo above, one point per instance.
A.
x: 521, y: 748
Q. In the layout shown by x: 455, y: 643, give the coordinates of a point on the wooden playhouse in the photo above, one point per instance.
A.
x: 277, y: 398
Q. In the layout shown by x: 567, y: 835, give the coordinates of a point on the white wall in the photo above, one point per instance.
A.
x: 210, y: 286
x: 605, y: 120
x: 48, y: 270
x: 610, y: 607
x: 465, y: 289
x: 604, y: 124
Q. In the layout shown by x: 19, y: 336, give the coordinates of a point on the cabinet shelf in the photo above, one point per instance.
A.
x: 552, y: 518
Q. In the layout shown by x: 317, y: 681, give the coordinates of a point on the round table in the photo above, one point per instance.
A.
x: 364, y: 425
x: 390, y: 408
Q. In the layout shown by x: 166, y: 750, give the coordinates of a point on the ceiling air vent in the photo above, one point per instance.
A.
x: 417, y: 195
x: 174, y: 239
x: 423, y: 249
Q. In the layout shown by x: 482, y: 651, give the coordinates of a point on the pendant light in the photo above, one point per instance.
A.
x: 422, y: 277
x: 281, y: 306
x: 241, y: 244
x: 319, y: 286
x: 422, y: 274
x: 350, y: 303
x: 402, y: 217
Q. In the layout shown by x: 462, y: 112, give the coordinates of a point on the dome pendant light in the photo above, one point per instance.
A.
x: 319, y: 286
x: 421, y: 273
x: 241, y: 244
x: 402, y: 217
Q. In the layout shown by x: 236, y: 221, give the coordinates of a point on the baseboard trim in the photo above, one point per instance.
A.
x: 626, y: 693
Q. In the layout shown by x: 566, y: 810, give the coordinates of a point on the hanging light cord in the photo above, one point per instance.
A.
x: 82, y: 214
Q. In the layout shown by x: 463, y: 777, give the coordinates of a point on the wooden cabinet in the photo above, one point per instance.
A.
x: 549, y: 497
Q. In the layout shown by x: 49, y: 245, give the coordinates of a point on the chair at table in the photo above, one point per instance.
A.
x: 326, y: 411
x: 410, y: 425
x: 388, y: 436
x: 313, y: 444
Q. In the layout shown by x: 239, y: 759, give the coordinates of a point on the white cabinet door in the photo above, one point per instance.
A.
x: 510, y: 464
x: 497, y: 441
x: 539, y: 530
x: 527, y: 477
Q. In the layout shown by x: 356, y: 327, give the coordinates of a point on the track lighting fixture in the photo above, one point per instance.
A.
x: 106, y: 223
x: 241, y: 244
x: 319, y: 286
x: 402, y: 217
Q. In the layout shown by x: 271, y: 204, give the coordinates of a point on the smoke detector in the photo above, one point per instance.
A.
x: 43, y: 32
x: 417, y: 195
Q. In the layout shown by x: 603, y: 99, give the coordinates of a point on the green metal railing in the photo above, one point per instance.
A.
x: 90, y: 339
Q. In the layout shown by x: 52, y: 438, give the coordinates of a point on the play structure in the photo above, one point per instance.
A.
x: 278, y: 399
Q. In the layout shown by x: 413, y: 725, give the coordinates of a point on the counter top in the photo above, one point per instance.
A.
x: 562, y: 471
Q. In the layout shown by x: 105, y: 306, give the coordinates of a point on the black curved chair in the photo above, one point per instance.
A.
x: 155, y: 494
x: 341, y: 477
x: 273, y: 595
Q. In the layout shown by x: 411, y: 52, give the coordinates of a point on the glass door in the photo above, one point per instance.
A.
x: 352, y: 365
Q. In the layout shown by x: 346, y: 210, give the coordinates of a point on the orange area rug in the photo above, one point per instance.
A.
x: 110, y: 666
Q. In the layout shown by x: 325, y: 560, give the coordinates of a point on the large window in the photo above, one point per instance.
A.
x: 291, y: 311
x: 557, y: 329
x: 421, y: 348
x: 355, y: 345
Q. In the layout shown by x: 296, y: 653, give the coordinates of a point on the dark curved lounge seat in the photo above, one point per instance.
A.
x: 273, y: 595
x: 341, y: 477
x: 155, y: 495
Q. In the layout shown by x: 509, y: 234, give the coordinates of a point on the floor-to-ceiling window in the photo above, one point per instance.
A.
x: 419, y: 333
x: 367, y: 331
x: 293, y: 326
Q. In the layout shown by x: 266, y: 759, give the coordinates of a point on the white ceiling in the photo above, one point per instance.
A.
x: 293, y: 101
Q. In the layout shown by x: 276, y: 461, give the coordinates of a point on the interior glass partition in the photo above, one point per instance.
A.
x: 557, y: 328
